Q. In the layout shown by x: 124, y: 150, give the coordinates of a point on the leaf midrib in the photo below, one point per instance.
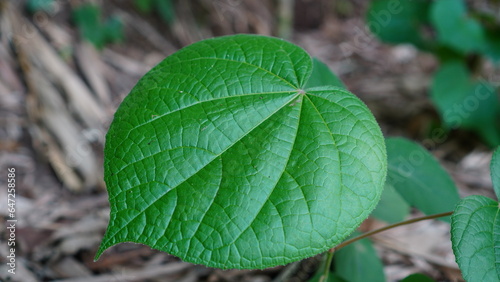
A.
x: 234, y: 61
x: 299, y: 93
x: 192, y: 105
x: 202, y: 167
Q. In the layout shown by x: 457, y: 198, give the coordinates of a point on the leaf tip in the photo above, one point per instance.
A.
x: 98, y: 254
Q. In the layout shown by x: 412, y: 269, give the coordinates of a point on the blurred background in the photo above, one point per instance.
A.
x: 65, y: 66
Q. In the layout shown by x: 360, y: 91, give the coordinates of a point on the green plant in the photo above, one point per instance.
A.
x: 229, y: 155
x: 165, y: 8
x: 462, y: 40
x: 34, y: 6
x: 88, y: 19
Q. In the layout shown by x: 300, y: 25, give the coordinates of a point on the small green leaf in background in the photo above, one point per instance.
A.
x: 88, y: 19
x: 220, y: 156
x: 322, y: 76
x: 475, y: 238
x: 145, y: 6
x: 332, y: 277
x: 34, y: 6
x: 492, y: 49
x: 165, y: 8
x: 417, y: 277
x: 455, y: 28
x: 419, y: 178
x: 399, y: 21
x: 495, y: 172
x: 359, y: 262
x: 113, y: 30
x: 392, y: 207
x: 463, y: 102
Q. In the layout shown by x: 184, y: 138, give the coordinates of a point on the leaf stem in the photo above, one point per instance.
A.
x: 329, y: 257
x: 326, y: 270
x: 406, y: 222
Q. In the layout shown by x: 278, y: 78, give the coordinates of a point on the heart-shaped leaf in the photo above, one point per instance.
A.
x: 221, y: 157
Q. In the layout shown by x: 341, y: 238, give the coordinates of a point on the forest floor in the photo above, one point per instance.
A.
x: 58, y: 94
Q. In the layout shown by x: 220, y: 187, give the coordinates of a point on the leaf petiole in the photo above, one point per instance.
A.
x: 406, y: 222
x: 329, y: 259
x: 326, y: 271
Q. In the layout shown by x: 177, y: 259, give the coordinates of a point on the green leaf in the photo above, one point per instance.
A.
x: 332, y: 277
x: 392, y: 207
x: 399, y: 21
x: 417, y: 277
x: 113, y: 30
x: 359, y: 262
x: 323, y: 76
x: 455, y: 28
x: 463, y: 102
x: 219, y: 156
x: 475, y: 238
x: 144, y: 6
x: 495, y: 172
x: 166, y: 10
x: 492, y: 48
x: 419, y: 177
x: 88, y: 19
x: 34, y: 6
